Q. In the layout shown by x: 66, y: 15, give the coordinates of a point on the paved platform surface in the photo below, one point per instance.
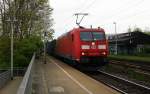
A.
x: 12, y: 86
x: 56, y: 77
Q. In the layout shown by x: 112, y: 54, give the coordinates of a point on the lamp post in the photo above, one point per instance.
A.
x: 12, y: 45
x: 45, y: 47
x: 116, y: 38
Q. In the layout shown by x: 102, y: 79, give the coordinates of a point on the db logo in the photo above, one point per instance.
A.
x: 93, y: 47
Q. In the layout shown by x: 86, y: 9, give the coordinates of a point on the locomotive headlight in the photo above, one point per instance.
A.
x: 83, y: 53
x: 85, y: 47
x: 104, y: 53
x: 93, y: 43
x: 101, y: 46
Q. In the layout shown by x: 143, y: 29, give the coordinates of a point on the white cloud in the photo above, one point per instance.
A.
x: 101, y: 13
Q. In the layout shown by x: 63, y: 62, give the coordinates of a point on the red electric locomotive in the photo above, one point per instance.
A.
x: 83, y: 46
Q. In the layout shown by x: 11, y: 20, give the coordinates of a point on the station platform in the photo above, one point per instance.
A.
x: 56, y: 77
x: 12, y: 86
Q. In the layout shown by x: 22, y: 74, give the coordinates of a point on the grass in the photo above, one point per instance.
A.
x: 130, y: 58
x: 147, y: 33
x: 138, y: 76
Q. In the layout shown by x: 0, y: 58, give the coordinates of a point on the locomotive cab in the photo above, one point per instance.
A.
x: 93, y: 46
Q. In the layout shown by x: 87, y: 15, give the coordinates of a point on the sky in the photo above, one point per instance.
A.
x: 102, y: 13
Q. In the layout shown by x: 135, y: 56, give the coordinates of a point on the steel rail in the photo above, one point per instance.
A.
x: 132, y: 65
x: 113, y: 87
x: 125, y: 80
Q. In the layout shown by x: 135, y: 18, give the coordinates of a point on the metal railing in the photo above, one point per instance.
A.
x: 19, y: 71
x: 4, y: 78
x: 5, y: 75
x: 26, y: 84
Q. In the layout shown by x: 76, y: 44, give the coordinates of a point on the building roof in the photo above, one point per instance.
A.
x: 130, y: 38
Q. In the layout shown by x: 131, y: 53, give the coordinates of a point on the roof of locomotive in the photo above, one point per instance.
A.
x: 87, y: 29
x: 82, y: 29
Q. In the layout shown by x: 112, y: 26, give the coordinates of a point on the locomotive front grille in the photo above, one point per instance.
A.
x: 93, y: 61
x: 87, y: 59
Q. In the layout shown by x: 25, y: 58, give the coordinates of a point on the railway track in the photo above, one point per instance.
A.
x: 142, y: 66
x: 122, y: 85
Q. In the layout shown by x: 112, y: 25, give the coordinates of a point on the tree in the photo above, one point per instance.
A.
x: 129, y: 29
x: 147, y: 30
x: 32, y: 20
x: 27, y: 14
x: 137, y: 29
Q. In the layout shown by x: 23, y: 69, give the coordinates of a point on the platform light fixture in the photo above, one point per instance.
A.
x: 12, y: 44
x: 116, y: 38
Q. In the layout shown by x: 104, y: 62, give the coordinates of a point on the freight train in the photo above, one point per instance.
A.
x: 82, y: 46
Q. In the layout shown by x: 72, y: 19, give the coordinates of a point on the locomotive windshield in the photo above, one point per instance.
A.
x: 92, y: 36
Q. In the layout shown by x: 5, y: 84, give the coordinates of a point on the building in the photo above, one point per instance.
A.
x: 129, y: 43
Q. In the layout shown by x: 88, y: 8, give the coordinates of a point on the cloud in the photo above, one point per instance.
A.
x: 101, y: 13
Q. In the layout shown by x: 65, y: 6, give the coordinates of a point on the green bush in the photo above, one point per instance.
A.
x: 147, y: 50
x: 20, y: 60
x: 23, y: 51
x: 4, y: 52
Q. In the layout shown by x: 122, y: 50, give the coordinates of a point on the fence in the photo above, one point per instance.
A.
x: 19, y: 71
x: 4, y: 77
x: 26, y: 84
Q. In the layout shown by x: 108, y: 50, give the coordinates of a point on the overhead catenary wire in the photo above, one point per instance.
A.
x: 88, y: 6
x: 94, y: 1
x: 122, y: 11
x: 79, y: 7
x: 134, y: 15
x: 130, y: 7
x: 108, y: 20
x: 85, y: 6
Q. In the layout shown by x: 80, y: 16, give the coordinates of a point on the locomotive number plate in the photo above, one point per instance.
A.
x: 93, y: 47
